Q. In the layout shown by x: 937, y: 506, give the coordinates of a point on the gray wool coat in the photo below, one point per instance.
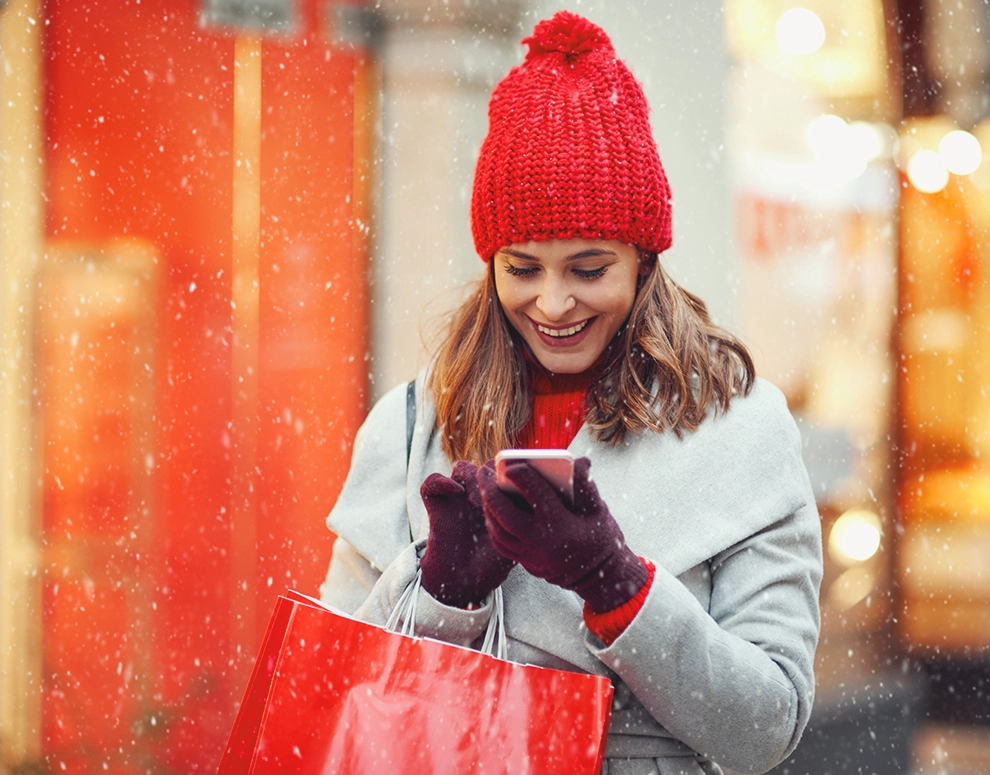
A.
x: 716, y: 670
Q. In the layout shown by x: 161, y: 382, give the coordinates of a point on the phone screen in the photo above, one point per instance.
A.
x: 555, y: 465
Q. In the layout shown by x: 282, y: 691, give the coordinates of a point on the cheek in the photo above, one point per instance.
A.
x: 502, y: 295
x: 511, y: 295
x: 618, y: 301
x: 509, y: 302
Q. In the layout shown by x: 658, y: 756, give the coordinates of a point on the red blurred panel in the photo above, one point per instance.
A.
x: 138, y: 106
x: 313, y: 310
x: 138, y: 143
x: 84, y: 337
x: 91, y: 325
x: 138, y: 123
x: 87, y: 647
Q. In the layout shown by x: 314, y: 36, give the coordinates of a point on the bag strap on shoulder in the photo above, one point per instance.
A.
x: 410, y: 418
x: 410, y: 426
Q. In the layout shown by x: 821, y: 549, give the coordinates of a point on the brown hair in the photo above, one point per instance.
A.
x: 668, y: 367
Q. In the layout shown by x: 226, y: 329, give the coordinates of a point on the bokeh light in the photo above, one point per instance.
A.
x: 853, y: 586
x: 855, y: 537
x: 800, y: 31
x: 839, y: 150
x: 870, y: 141
x: 927, y: 172
x: 960, y: 152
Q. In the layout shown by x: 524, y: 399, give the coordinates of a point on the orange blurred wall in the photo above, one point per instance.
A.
x: 189, y: 449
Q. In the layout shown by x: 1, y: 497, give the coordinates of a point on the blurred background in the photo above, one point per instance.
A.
x: 228, y: 226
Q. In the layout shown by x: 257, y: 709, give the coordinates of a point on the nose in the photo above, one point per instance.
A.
x: 555, y: 299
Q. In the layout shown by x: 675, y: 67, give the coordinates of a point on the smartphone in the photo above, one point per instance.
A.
x: 555, y: 465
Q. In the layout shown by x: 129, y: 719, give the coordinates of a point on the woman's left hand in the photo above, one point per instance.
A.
x: 580, y: 548
x: 460, y: 566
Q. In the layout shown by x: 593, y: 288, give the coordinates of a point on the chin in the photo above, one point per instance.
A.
x: 559, y: 365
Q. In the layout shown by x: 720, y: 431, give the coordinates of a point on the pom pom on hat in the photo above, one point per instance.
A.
x: 569, y: 152
x: 566, y: 33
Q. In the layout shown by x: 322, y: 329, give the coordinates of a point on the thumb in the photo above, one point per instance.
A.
x: 438, y: 485
x: 586, y: 497
x: 466, y: 474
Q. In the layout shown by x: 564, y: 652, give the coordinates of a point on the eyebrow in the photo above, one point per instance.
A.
x: 589, y: 253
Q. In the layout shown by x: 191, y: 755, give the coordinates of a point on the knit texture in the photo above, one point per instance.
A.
x: 609, y: 625
x: 569, y: 152
x: 558, y: 409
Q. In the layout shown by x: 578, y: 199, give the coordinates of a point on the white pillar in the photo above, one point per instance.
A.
x: 21, y: 246
x: 439, y: 65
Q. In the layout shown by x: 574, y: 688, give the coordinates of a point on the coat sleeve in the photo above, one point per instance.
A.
x: 374, y: 557
x: 736, y: 682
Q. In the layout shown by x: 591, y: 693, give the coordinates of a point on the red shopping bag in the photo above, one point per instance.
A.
x: 330, y: 694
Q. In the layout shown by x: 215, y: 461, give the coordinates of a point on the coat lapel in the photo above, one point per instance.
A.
x: 681, y: 502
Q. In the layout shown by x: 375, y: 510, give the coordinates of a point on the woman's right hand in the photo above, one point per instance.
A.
x: 460, y: 566
x: 576, y: 546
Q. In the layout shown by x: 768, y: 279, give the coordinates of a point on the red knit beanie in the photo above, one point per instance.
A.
x: 569, y: 152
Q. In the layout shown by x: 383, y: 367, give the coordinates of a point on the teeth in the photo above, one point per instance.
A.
x: 558, y: 332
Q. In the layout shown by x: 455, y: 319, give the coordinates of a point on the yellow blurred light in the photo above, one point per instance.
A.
x: 853, y: 586
x: 871, y: 141
x: 960, y: 152
x: 827, y: 135
x: 855, y: 537
x: 921, y: 134
x: 837, y: 148
x: 980, y: 177
x: 851, y: 63
x: 800, y: 31
x: 927, y: 172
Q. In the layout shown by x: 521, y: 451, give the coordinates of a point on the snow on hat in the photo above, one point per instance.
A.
x: 569, y: 152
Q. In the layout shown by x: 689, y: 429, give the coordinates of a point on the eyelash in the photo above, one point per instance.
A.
x: 519, y: 271
x: 584, y: 274
x: 590, y: 274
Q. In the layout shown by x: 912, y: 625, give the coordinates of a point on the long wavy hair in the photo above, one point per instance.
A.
x: 667, y: 368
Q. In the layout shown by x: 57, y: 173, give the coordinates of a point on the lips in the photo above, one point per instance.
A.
x: 564, y: 336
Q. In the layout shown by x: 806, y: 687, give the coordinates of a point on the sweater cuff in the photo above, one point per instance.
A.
x: 609, y: 625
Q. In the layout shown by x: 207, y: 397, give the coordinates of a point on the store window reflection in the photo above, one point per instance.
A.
x: 814, y: 102
x: 812, y: 108
x: 862, y: 193
x: 944, y: 344
x: 184, y: 344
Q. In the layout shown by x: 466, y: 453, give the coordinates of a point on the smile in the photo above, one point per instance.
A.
x: 561, y: 332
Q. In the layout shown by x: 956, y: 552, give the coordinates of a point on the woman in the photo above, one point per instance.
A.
x: 688, y: 570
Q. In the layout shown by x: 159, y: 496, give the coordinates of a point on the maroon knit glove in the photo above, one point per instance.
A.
x: 460, y: 565
x: 579, y: 548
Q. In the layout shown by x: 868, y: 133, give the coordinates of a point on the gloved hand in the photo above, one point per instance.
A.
x: 460, y: 566
x: 580, y: 548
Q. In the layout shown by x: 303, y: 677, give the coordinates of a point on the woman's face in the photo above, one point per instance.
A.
x: 567, y: 298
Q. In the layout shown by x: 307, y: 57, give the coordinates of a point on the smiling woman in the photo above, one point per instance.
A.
x: 688, y: 570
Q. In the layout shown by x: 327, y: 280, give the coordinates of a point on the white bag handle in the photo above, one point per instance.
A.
x: 494, y: 643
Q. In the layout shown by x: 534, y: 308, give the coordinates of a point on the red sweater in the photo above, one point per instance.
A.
x: 558, y: 409
x: 558, y: 413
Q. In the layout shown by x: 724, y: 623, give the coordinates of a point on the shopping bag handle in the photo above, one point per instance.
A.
x: 403, y: 618
x: 494, y: 642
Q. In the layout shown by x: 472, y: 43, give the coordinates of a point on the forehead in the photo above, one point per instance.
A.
x: 561, y: 249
